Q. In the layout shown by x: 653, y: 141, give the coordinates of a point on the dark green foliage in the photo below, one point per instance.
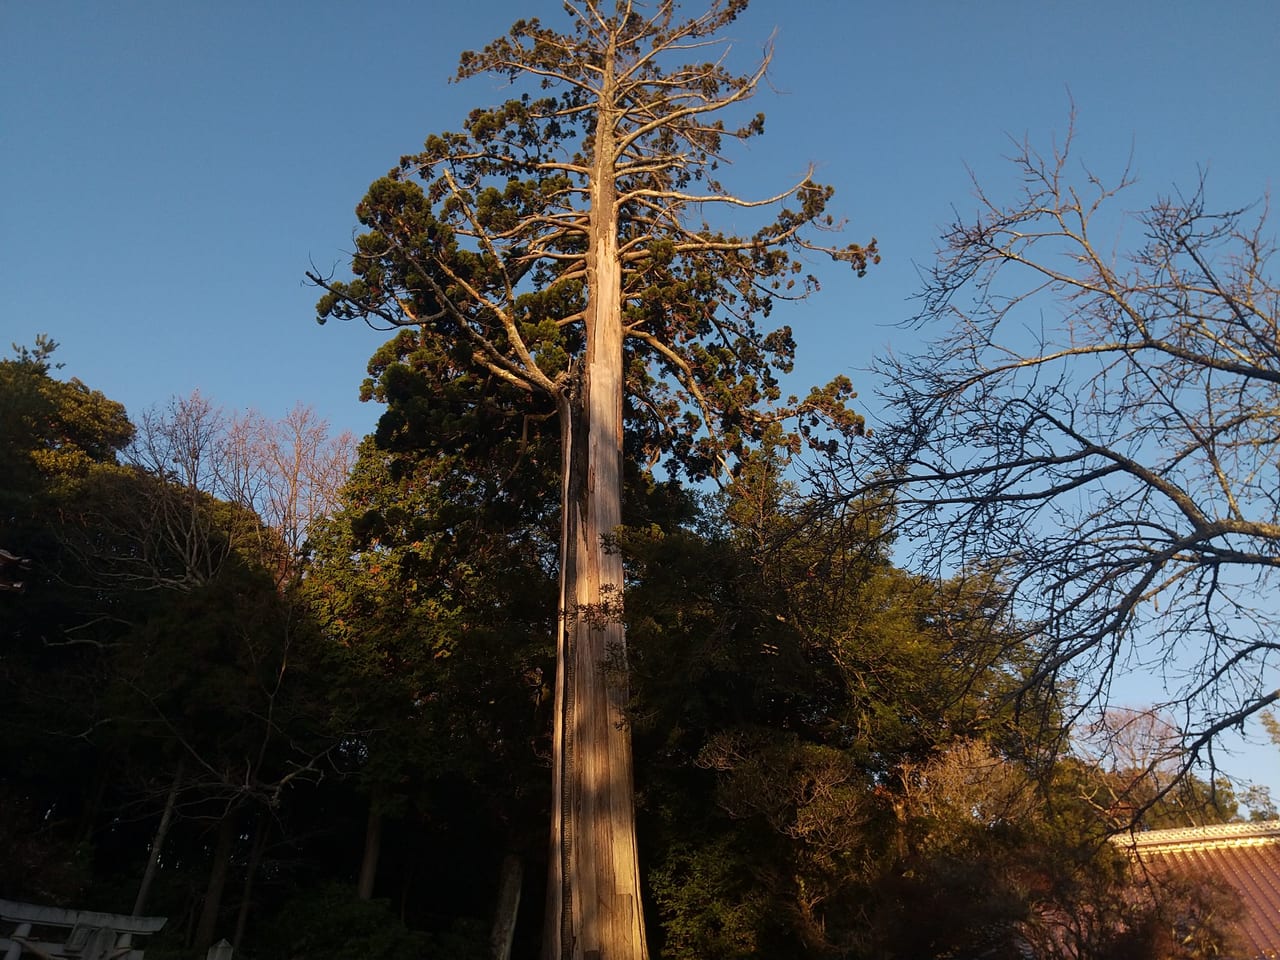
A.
x: 832, y: 761
x: 151, y: 640
x: 54, y: 437
x: 481, y: 240
x: 432, y: 586
x: 50, y: 429
x: 41, y: 861
x: 710, y: 902
x: 781, y: 682
x: 554, y: 258
x: 329, y: 923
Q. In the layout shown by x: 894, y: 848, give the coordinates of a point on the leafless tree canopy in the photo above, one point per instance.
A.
x: 1102, y: 426
x: 285, y: 472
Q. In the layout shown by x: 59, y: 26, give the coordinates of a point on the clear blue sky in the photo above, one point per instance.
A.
x: 170, y: 168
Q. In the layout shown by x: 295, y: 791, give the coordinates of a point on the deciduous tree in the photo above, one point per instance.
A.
x: 831, y: 761
x: 1141, y: 776
x: 1098, y: 424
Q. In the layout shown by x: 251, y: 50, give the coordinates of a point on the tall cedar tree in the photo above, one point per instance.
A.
x: 558, y: 246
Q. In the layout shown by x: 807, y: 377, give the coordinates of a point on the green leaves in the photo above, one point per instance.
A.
x: 487, y: 251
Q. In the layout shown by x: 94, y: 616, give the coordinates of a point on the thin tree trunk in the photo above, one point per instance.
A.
x: 221, y: 866
x: 157, y: 842
x: 260, y: 832
x: 504, y: 920
x: 372, y: 845
x: 89, y: 815
x: 406, y: 887
x: 593, y: 895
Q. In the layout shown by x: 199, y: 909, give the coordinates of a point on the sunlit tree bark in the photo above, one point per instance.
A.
x: 559, y: 246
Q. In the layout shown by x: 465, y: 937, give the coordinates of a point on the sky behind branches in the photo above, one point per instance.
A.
x: 170, y: 168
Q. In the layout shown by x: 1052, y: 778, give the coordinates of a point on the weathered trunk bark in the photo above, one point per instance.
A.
x: 504, y: 918
x: 89, y: 815
x: 260, y: 832
x: 157, y: 842
x: 372, y: 845
x: 406, y: 887
x: 208, y: 924
x: 593, y: 896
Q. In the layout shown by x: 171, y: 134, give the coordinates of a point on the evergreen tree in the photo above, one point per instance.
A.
x: 792, y: 686
x: 54, y: 435
x: 434, y: 598
x: 557, y: 247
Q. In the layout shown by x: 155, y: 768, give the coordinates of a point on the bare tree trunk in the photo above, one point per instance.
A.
x: 246, y: 894
x: 89, y: 815
x: 218, y: 871
x: 406, y: 887
x: 372, y: 845
x: 594, y: 883
x: 504, y: 920
x: 157, y: 842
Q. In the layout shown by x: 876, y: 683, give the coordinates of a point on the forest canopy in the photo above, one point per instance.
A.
x: 601, y: 644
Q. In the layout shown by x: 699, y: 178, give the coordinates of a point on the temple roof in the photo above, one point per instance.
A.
x: 1245, y: 855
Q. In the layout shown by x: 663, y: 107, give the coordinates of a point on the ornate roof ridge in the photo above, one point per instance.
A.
x: 1219, y: 834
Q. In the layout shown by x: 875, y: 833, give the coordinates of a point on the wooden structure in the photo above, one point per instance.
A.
x: 1245, y: 855
x: 54, y: 933
x: 14, y: 571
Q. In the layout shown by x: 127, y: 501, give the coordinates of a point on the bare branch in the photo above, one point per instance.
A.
x: 1101, y: 429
